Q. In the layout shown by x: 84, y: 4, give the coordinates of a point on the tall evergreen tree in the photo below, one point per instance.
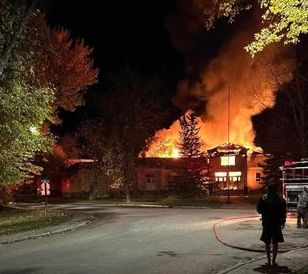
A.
x: 193, y: 178
x: 190, y: 144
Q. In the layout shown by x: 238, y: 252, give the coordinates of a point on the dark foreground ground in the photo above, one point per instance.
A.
x: 144, y: 240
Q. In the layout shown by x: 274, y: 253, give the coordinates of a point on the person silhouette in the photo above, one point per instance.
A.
x: 302, y: 209
x: 273, y: 210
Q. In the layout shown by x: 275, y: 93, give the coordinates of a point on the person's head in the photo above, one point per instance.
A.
x: 272, y: 189
x: 305, y: 189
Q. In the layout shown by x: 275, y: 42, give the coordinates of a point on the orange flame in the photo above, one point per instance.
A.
x: 251, y: 91
x: 252, y: 83
x: 213, y: 133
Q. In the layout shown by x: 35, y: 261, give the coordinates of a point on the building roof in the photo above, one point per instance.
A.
x: 227, y: 149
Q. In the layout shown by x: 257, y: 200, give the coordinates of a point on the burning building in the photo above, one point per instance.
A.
x: 227, y: 89
x: 228, y: 166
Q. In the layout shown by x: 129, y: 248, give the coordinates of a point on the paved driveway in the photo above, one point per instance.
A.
x: 135, y: 240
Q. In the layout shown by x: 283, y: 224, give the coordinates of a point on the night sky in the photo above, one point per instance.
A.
x: 121, y: 32
x: 125, y: 32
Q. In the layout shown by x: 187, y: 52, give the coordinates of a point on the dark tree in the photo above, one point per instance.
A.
x: 271, y: 171
x: 131, y: 113
x: 282, y: 131
x: 27, y: 100
x: 66, y: 65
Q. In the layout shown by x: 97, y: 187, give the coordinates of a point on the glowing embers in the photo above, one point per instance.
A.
x: 175, y: 153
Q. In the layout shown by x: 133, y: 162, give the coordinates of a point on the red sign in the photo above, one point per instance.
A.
x: 45, y: 188
x: 289, y: 163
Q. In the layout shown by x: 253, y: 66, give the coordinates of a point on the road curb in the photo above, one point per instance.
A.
x: 134, y: 205
x: 45, y: 234
x: 231, y: 268
x: 171, y: 206
x: 166, y: 206
x: 243, y: 264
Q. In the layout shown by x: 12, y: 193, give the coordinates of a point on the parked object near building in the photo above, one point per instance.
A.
x: 294, y: 179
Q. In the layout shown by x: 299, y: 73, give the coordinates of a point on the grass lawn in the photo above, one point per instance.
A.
x: 15, y: 220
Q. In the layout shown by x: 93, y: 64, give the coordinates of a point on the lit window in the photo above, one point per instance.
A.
x: 235, y: 173
x: 227, y: 160
x: 220, y: 174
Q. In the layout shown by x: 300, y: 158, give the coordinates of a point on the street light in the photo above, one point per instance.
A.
x: 34, y: 130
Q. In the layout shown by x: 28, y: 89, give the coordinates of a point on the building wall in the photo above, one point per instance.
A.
x: 164, y: 170
x: 253, y: 181
x: 254, y: 171
x: 151, y: 180
x: 87, y: 183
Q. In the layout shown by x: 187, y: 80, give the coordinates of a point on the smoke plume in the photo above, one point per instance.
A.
x: 251, y: 82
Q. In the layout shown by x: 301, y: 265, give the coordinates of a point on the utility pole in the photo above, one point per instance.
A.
x: 46, y: 198
x: 228, y: 178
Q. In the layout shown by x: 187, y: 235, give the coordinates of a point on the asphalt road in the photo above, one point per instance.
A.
x: 131, y: 240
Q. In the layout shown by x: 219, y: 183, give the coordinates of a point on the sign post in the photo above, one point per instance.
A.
x: 45, y: 191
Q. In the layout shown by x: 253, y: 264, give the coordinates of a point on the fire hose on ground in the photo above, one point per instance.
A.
x: 219, y: 238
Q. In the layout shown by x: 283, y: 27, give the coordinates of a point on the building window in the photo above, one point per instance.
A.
x: 220, y: 176
x: 150, y: 182
x: 258, y: 176
x: 227, y: 160
x: 235, y: 176
x: 234, y: 179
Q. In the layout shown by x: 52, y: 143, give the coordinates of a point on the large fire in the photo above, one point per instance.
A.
x: 212, y: 133
x: 251, y: 90
x: 251, y: 83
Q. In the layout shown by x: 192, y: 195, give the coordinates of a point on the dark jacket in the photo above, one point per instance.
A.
x: 273, y: 210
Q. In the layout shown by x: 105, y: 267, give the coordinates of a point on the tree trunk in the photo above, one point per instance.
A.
x: 128, y: 178
x: 5, y: 196
x: 127, y: 193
